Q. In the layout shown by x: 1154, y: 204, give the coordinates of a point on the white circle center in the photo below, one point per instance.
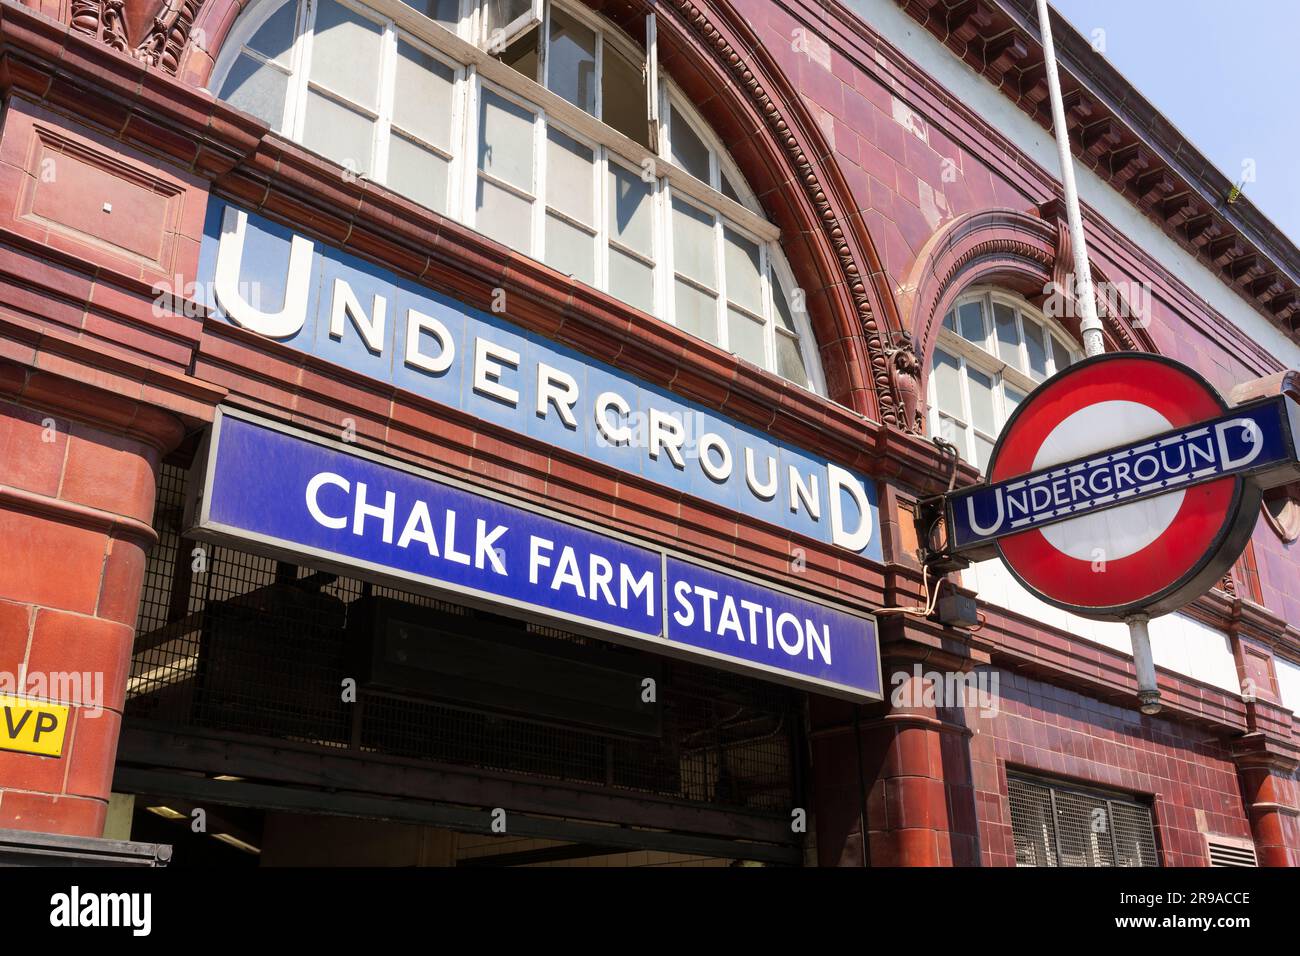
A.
x: 1116, y: 532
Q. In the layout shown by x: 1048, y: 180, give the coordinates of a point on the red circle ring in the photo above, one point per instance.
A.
x: 1188, y: 557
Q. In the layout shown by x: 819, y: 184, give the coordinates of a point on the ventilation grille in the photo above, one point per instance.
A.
x: 1061, y: 826
x: 1231, y: 854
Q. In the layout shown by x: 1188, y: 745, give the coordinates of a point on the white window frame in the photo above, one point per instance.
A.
x: 720, y: 162
x: 719, y: 291
x: 537, y: 196
x: 599, y: 228
x: 779, y: 269
x: 476, y: 70
x: 658, y: 250
x: 453, y: 156
x: 985, y: 357
x: 303, y: 84
x: 512, y: 31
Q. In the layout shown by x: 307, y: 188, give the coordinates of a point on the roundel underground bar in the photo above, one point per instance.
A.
x: 545, y: 432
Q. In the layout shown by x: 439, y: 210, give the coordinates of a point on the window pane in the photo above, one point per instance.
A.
x: 274, y: 38
x: 256, y: 88
x: 689, y: 151
x: 632, y: 281
x: 345, y: 53
x: 693, y: 249
x: 745, y: 337
x: 623, y: 96
x: 696, y: 312
x: 522, y: 54
x: 418, y: 173
x: 1060, y: 355
x: 970, y: 320
x: 950, y: 321
x: 951, y: 431
x: 422, y: 105
x: 631, y: 217
x: 1008, y: 336
x: 571, y: 63
x: 446, y: 12
x: 983, y: 451
x: 570, y: 250
x: 504, y: 216
x: 784, y: 317
x: 505, y: 146
x: 729, y: 190
x: 1036, y: 348
x: 789, y: 359
x: 570, y: 173
x: 1013, y: 399
x: 744, y: 285
x: 947, y: 382
x: 981, y: 401
x: 337, y: 132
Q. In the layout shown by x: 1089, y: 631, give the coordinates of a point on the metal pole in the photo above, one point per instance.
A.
x: 1089, y: 325
x: 1148, y: 693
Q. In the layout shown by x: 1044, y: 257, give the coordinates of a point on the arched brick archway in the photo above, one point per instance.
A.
x: 1017, y: 251
x: 775, y: 141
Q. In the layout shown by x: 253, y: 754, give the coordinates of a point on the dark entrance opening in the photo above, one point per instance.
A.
x: 274, y: 696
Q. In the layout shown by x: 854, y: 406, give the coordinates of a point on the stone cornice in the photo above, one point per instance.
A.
x: 1124, y: 140
x: 114, y: 390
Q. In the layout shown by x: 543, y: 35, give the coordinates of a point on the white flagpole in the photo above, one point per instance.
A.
x: 1093, y: 343
x: 1090, y: 326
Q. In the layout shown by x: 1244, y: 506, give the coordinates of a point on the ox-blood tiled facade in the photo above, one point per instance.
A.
x: 894, y: 191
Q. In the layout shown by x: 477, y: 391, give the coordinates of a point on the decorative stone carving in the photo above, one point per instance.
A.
x: 968, y: 250
x: 103, y: 19
x: 171, y: 32
x: 905, y: 379
x: 163, y: 42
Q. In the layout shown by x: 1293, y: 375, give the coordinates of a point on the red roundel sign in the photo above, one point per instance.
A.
x: 1124, y: 484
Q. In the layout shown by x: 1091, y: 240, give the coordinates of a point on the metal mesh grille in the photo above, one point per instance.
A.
x: 1060, y: 826
x: 1135, y: 838
x: 1031, y: 823
x: 230, y: 641
x: 1082, y: 830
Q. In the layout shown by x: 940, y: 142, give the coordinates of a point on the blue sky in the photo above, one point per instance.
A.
x: 1227, y: 75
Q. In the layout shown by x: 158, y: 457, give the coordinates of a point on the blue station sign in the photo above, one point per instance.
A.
x: 1255, y: 439
x: 297, y: 496
x: 269, y: 280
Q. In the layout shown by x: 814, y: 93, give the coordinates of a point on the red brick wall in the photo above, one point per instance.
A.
x: 1279, y: 573
x: 1053, y: 731
x: 75, y: 506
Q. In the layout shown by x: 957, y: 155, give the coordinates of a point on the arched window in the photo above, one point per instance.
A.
x: 546, y: 127
x: 992, y: 350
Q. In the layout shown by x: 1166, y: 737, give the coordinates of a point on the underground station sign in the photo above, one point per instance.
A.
x: 1125, y: 484
x: 291, y: 495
